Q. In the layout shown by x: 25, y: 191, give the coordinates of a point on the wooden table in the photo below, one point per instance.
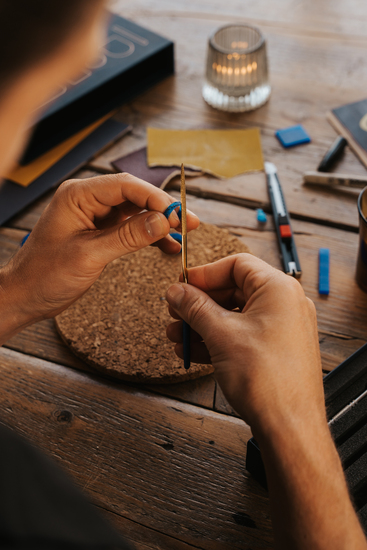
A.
x: 167, y: 464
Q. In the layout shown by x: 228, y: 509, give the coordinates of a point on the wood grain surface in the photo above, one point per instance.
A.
x: 171, y: 467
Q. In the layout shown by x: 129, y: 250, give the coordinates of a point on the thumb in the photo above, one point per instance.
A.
x: 197, y: 309
x: 131, y: 235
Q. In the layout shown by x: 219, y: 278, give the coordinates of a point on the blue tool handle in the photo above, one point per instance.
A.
x: 186, y: 344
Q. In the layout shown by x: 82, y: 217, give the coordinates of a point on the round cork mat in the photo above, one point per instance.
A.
x: 119, y: 325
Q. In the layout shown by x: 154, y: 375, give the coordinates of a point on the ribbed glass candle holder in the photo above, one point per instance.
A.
x: 237, y: 69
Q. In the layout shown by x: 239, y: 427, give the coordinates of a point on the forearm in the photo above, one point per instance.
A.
x: 270, y: 371
x: 14, y: 306
x: 310, y: 503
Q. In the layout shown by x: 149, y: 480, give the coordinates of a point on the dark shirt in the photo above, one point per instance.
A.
x: 40, y: 508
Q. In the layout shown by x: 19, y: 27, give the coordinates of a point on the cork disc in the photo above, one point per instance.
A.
x: 119, y: 325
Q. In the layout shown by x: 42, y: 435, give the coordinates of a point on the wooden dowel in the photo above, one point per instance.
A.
x: 322, y: 178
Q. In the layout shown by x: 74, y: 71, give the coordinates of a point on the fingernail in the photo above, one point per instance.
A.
x: 154, y: 226
x: 175, y: 295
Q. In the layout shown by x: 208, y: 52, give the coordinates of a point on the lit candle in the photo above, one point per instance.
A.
x: 237, y: 72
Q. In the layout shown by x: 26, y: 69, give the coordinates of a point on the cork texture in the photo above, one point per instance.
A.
x: 119, y: 325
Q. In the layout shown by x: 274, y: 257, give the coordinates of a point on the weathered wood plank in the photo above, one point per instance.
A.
x: 314, y: 18
x: 42, y: 340
x: 199, y: 392
x: 169, y: 466
x: 143, y: 537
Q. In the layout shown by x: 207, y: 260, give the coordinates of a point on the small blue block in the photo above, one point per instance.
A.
x: 261, y: 216
x: 295, y: 135
x: 324, y: 269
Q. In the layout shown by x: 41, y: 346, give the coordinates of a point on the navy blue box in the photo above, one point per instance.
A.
x: 132, y: 60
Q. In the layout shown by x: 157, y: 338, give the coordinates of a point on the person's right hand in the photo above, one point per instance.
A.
x: 266, y: 353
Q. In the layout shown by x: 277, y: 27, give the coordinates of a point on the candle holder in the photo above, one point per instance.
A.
x: 236, y: 69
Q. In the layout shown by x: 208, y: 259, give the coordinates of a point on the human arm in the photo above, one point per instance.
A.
x: 266, y: 359
x: 88, y: 224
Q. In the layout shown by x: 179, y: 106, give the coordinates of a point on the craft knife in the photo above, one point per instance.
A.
x: 283, y: 228
x: 186, y: 326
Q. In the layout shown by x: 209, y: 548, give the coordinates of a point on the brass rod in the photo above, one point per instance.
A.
x: 183, y: 225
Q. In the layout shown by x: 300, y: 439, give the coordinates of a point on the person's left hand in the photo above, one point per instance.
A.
x: 88, y: 224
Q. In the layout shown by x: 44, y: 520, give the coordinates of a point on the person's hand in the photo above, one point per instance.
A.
x: 88, y: 224
x: 265, y: 353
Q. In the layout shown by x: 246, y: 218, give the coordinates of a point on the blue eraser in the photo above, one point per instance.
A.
x: 261, y: 216
x: 324, y: 269
x: 295, y: 135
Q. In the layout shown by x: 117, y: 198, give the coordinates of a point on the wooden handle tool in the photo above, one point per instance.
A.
x: 335, y: 179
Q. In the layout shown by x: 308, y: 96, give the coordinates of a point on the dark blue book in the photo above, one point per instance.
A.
x: 132, y: 60
x: 350, y: 121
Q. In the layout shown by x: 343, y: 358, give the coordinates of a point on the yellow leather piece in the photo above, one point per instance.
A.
x: 24, y: 175
x: 223, y: 153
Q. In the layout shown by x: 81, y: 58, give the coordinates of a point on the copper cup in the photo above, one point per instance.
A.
x: 361, y: 274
